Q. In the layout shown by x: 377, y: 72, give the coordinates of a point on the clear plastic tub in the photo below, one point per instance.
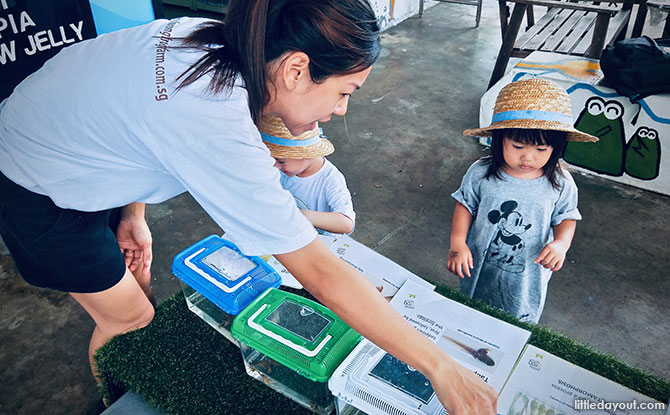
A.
x: 343, y: 408
x: 311, y: 394
x: 208, y: 311
x: 218, y: 281
x: 372, y: 382
x: 293, y: 345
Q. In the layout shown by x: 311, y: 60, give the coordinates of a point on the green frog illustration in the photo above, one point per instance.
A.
x: 643, y: 154
x: 603, y: 119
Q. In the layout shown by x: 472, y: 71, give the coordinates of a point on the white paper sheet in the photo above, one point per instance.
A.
x: 372, y: 381
x: 383, y: 273
x: 544, y: 383
x: 487, y: 346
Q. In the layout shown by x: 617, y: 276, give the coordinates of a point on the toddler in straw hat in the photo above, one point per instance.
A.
x: 517, y: 208
x: 318, y: 187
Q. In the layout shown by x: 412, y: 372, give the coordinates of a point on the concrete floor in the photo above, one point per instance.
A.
x: 402, y: 152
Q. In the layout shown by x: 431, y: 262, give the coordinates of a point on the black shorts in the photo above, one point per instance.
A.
x: 62, y: 249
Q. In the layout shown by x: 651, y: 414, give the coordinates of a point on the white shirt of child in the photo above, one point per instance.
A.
x: 324, y: 191
x: 102, y: 125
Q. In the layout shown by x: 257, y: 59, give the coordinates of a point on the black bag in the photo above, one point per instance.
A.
x: 637, y: 67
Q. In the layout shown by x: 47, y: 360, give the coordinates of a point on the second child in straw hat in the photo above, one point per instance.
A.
x: 318, y: 187
x: 516, y: 209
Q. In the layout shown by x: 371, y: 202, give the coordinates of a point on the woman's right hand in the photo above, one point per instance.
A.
x: 461, y: 392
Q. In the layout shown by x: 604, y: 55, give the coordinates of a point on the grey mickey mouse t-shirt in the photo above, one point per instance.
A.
x: 512, y: 221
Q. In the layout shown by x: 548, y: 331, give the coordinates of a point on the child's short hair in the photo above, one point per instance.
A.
x: 557, y: 140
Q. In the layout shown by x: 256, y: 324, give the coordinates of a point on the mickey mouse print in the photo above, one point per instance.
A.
x: 506, y: 249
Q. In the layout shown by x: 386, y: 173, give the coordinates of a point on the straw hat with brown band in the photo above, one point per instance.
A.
x: 284, y: 145
x: 533, y: 104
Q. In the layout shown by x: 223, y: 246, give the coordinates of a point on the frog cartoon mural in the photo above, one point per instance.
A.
x: 632, y: 135
x: 643, y: 154
x: 603, y: 119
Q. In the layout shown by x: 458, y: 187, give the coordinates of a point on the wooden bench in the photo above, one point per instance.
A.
x: 579, y: 28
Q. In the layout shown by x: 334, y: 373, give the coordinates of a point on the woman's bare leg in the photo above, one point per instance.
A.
x: 117, y: 310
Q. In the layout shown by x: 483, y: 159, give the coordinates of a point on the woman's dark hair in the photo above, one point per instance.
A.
x: 558, y: 140
x: 340, y: 37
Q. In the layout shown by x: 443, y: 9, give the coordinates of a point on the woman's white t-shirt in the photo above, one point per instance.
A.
x: 101, y: 125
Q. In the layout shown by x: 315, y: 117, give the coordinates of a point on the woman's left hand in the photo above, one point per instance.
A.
x: 461, y: 392
x: 134, y: 238
x: 357, y: 302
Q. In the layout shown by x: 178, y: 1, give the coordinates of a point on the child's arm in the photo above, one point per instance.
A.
x: 459, y: 260
x: 553, y: 254
x: 334, y: 222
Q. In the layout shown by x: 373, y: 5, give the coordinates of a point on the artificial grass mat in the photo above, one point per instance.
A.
x: 181, y: 365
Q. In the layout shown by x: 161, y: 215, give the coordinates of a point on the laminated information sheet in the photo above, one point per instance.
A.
x: 383, y: 273
x: 376, y: 383
x: 545, y: 384
x: 487, y: 346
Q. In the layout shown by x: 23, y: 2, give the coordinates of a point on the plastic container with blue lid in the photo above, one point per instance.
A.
x: 218, y: 280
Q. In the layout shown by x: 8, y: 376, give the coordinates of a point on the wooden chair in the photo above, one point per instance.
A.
x: 579, y: 28
x: 477, y: 3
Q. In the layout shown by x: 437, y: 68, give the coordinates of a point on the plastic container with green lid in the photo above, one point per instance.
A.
x: 293, y: 345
